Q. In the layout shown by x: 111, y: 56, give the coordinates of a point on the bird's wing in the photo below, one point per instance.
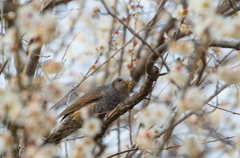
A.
x: 90, y: 97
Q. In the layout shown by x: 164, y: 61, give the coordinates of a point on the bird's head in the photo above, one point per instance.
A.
x: 122, y: 84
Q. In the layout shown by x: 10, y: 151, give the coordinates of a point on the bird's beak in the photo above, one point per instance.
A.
x: 129, y: 83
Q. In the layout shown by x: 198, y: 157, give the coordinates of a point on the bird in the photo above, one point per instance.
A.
x: 99, y: 100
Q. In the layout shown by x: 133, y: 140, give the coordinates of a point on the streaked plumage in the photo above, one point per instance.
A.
x: 99, y: 100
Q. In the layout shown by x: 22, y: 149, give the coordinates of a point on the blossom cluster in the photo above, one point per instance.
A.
x: 190, y: 100
x: 154, y: 114
x: 24, y: 110
x: 183, y: 48
x: 29, y: 22
x: 196, y: 32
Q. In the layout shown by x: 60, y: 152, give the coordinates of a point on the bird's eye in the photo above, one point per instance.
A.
x: 119, y: 80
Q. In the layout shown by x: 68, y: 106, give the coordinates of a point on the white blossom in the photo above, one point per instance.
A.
x: 84, y: 149
x: 11, y: 15
x: 145, y: 140
x: 178, y: 12
x: 181, y: 47
x: 144, y: 117
x: 47, y: 151
x: 45, y: 29
x: 92, y: 126
x: 135, y: 14
x: 38, y: 123
x: 117, y: 35
x: 54, y: 91
x: 84, y: 113
x: 95, y: 51
x: 216, y: 118
x: 115, y: 43
x: 153, y: 114
x: 5, y: 141
x: 30, y: 22
x: 193, y: 100
x: 202, y: 7
x: 103, y: 48
x: 217, y: 27
x: 187, y: 29
x: 191, y: 148
x: 27, y: 18
x: 11, y: 106
x: 51, y: 66
x: 49, y: 121
x: 232, y: 28
x: 10, y: 36
x: 179, y: 74
x: 202, y: 26
x: 154, y: 130
x: 131, y: 6
x: 229, y: 75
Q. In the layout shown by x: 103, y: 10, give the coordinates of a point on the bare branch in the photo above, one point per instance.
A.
x: 4, y: 65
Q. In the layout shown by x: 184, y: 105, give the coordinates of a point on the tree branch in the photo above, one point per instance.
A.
x: 129, y: 103
x: 30, y: 67
x: 4, y: 65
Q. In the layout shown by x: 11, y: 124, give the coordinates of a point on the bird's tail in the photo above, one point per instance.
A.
x: 55, y: 137
x: 64, y: 129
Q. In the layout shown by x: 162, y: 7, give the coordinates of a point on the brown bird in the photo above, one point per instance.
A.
x: 99, y: 100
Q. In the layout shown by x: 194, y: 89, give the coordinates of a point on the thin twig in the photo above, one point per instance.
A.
x: 118, y: 135
x: 178, y: 30
x: 134, y: 33
x: 69, y: 46
x: 4, y: 65
x: 66, y: 151
x: 189, y: 114
x: 87, y: 75
x: 211, y: 141
x: 170, y: 147
x: 46, y: 75
x: 119, y: 153
x: 44, y: 56
x: 130, y: 127
x: 74, y: 139
x: 234, y: 113
x: 161, y: 91
x: 2, y: 45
